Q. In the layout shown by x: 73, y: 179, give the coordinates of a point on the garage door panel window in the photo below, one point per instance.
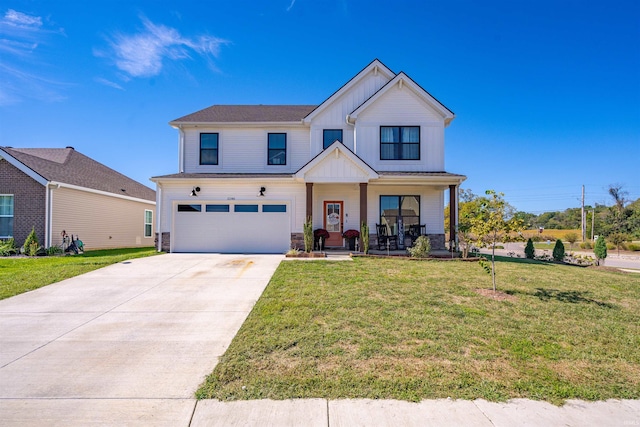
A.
x: 189, y: 208
x: 245, y: 208
x: 217, y: 208
x: 274, y: 208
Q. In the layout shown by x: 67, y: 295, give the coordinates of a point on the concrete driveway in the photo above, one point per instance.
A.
x: 129, y: 343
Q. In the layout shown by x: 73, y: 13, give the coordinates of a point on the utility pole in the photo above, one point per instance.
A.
x: 593, y: 221
x: 584, y: 229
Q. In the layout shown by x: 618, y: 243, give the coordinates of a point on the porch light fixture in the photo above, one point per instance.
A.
x: 195, y: 191
x: 262, y: 190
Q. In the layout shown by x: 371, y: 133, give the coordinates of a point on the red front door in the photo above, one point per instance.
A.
x: 333, y: 222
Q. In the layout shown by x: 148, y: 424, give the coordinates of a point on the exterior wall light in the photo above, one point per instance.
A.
x: 262, y: 190
x: 195, y: 191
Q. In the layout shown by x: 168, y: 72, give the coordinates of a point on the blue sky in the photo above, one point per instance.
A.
x: 546, y: 93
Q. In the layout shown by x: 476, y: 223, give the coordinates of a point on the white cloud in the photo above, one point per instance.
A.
x: 22, y: 73
x: 19, y: 19
x: 109, y: 83
x: 291, y: 5
x: 142, y: 54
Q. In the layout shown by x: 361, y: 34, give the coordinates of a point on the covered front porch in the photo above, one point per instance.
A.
x: 342, y: 192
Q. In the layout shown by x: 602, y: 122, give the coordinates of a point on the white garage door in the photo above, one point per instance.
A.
x: 231, y: 227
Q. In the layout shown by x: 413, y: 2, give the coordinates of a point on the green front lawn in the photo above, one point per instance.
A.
x: 401, y: 329
x: 20, y: 274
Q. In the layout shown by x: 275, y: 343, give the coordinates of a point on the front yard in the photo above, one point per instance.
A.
x: 412, y: 330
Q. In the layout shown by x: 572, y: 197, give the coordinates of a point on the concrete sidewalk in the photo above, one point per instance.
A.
x: 129, y: 344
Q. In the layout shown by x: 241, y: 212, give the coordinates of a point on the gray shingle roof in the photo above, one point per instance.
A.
x: 248, y: 113
x: 65, y: 165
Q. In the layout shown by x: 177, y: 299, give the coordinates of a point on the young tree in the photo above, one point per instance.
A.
x: 558, y: 251
x: 530, y: 250
x: 494, y: 221
x: 600, y: 250
x: 571, y: 238
x: 618, y: 239
x: 467, y: 209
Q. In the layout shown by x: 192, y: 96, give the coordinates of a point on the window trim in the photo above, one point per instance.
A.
x: 332, y: 130
x: 217, y: 149
x: 399, y: 197
x: 13, y: 213
x: 400, y: 143
x: 150, y: 224
x: 278, y: 149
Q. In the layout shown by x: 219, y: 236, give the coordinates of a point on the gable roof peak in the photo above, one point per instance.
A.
x: 376, y: 66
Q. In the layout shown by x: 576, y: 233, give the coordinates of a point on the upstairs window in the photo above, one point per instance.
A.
x: 329, y: 136
x: 277, y: 149
x: 399, y: 142
x: 6, y: 216
x: 208, y: 148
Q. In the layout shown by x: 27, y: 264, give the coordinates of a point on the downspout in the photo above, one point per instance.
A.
x: 355, y: 145
x: 158, y: 215
x: 180, y: 149
x: 47, y: 213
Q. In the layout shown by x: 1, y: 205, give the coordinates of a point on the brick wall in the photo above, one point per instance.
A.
x: 28, y: 202
x: 166, y: 241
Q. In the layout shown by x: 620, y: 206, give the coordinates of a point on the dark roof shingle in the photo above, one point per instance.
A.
x: 248, y: 113
x: 65, y: 165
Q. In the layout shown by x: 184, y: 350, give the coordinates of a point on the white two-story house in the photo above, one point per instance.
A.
x: 249, y: 175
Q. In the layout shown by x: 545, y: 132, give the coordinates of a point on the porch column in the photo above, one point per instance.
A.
x: 453, y: 214
x: 309, y: 200
x: 363, y: 202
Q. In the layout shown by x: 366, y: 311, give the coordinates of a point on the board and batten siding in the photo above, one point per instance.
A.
x: 244, y: 149
x: 401, y: 107
x: 431, y: 204
x: 100, y: 221
x: 334, y: 116
x: 231, y: 192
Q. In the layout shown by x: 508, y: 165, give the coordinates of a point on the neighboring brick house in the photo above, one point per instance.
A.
x: 56, y: 189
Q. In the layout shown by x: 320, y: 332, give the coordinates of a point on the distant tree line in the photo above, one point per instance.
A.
x: 619, y: 221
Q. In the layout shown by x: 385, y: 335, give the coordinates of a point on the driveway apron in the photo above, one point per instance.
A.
x: 124, y: 340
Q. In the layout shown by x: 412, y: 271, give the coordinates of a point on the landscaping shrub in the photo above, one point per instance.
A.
x: 600, y: 249
x: 529, y: 250
x: 558, y: 251
x: 308, y: 235
x: 8, y: 247
x: 421, y: 248
x: 31, y: 244
x: 586, y: 245
x: 633, y: 247
x: 364, y: 237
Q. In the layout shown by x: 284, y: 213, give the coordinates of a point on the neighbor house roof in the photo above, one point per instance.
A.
x: 247, y: 114
x: 65, y: 165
